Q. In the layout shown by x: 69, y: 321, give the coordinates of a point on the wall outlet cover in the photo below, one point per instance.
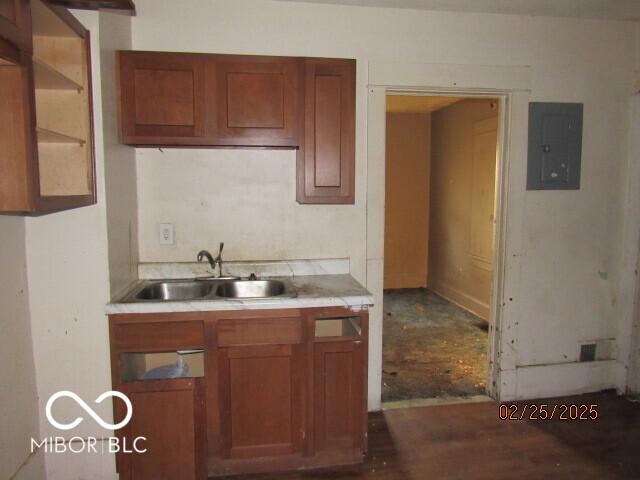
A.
x: 166, y: 234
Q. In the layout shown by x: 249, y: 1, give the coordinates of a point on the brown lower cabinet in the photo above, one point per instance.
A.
x: 265, y: 391
x: 169, y: 423
x: 339, y: 394
x: 268, y: 377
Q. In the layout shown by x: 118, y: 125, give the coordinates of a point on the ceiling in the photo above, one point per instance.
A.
x: 418, y: 103
x: 598, y: 9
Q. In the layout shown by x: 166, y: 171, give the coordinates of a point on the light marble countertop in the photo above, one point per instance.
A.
x: 311, y: 290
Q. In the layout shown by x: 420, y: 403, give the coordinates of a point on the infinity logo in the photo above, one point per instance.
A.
x: 89, y: 410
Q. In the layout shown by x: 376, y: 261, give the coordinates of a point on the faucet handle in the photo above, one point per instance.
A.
x: 221, y: 247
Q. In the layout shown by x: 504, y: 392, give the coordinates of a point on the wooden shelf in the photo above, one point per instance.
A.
x: 48, y: 78
x: 49, y: 136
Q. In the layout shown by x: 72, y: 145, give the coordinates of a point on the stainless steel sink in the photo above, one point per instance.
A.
x: 175, y: 291
x: 251, y: 289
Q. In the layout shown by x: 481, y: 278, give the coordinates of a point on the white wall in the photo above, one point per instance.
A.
x: 629, y: 287
x: 18, y: 395
x: 68, y: 270
x: 629, y: 345
x: 119, y: 163
x: 245, y: 198
x: 567, y: 237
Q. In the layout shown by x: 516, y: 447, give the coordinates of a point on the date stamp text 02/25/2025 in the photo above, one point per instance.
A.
x: 542, y: 411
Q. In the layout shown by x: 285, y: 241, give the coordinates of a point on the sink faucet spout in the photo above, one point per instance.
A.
x: 202, y: 254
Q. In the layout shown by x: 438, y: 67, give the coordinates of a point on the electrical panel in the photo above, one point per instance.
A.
x: 555, y: 146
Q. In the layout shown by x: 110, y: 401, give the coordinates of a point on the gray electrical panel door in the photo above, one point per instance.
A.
x: 555, y: 146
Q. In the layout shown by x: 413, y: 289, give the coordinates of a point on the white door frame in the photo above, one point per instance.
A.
x: 511, y: 86
x: 629, y: 289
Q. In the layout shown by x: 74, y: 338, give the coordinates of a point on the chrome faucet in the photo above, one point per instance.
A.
x: 215, y: 261
x: 205, y: 254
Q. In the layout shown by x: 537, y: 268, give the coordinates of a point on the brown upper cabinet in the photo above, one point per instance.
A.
x: 14, y: 25
x: 162, y: 98
x: 46, y: 130
x: 98, y: 4
x: 326, y: 158
x: 173, y: 99
x: 256, y: 100
x: 187, y: 99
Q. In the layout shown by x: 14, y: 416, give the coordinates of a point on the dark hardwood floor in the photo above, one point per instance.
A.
x: 469, y: 441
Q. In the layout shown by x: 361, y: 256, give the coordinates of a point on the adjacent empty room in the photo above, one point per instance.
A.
x: 440, y: 182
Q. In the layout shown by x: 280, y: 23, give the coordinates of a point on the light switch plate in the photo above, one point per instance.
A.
x: 166, y: 234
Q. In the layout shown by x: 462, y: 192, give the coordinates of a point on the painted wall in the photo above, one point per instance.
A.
x: 18, y: 395
x: 457, y: 270
x: 631, y: 293
x: 245, y: 198
x: 69, y: 284
x: 406, y: 221
x: 566, y: 237
x: 120, y: 164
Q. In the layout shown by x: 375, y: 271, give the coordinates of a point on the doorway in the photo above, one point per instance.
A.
x: 440, y: 210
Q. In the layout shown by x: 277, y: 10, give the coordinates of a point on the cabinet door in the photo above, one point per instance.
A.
x: 339, y: 397
x: 256, y: 100
x: 326, y: 161
x: 261, y: 395
x: 162, y: 98
x: 170, y: 415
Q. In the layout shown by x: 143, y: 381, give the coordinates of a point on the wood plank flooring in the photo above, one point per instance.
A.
x: 469, y: 441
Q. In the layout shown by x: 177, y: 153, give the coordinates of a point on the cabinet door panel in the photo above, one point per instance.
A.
x: 339, y: 394
x: 326, y: 160
x: 328, y: 130
x: 162, y: 98
x: 170, y: 415
x: 256, y: 101
x: 260, y: 400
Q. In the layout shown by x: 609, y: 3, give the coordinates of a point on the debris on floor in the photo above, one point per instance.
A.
x: 431, y: 347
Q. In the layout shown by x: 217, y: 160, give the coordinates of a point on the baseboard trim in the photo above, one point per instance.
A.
x: 561, y: 379
x: 461, y: 299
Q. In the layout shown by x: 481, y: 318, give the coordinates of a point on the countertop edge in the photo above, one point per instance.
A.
x: 354, y: 302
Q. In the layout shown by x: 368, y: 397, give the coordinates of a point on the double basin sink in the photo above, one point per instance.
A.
x: 182, y: 290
